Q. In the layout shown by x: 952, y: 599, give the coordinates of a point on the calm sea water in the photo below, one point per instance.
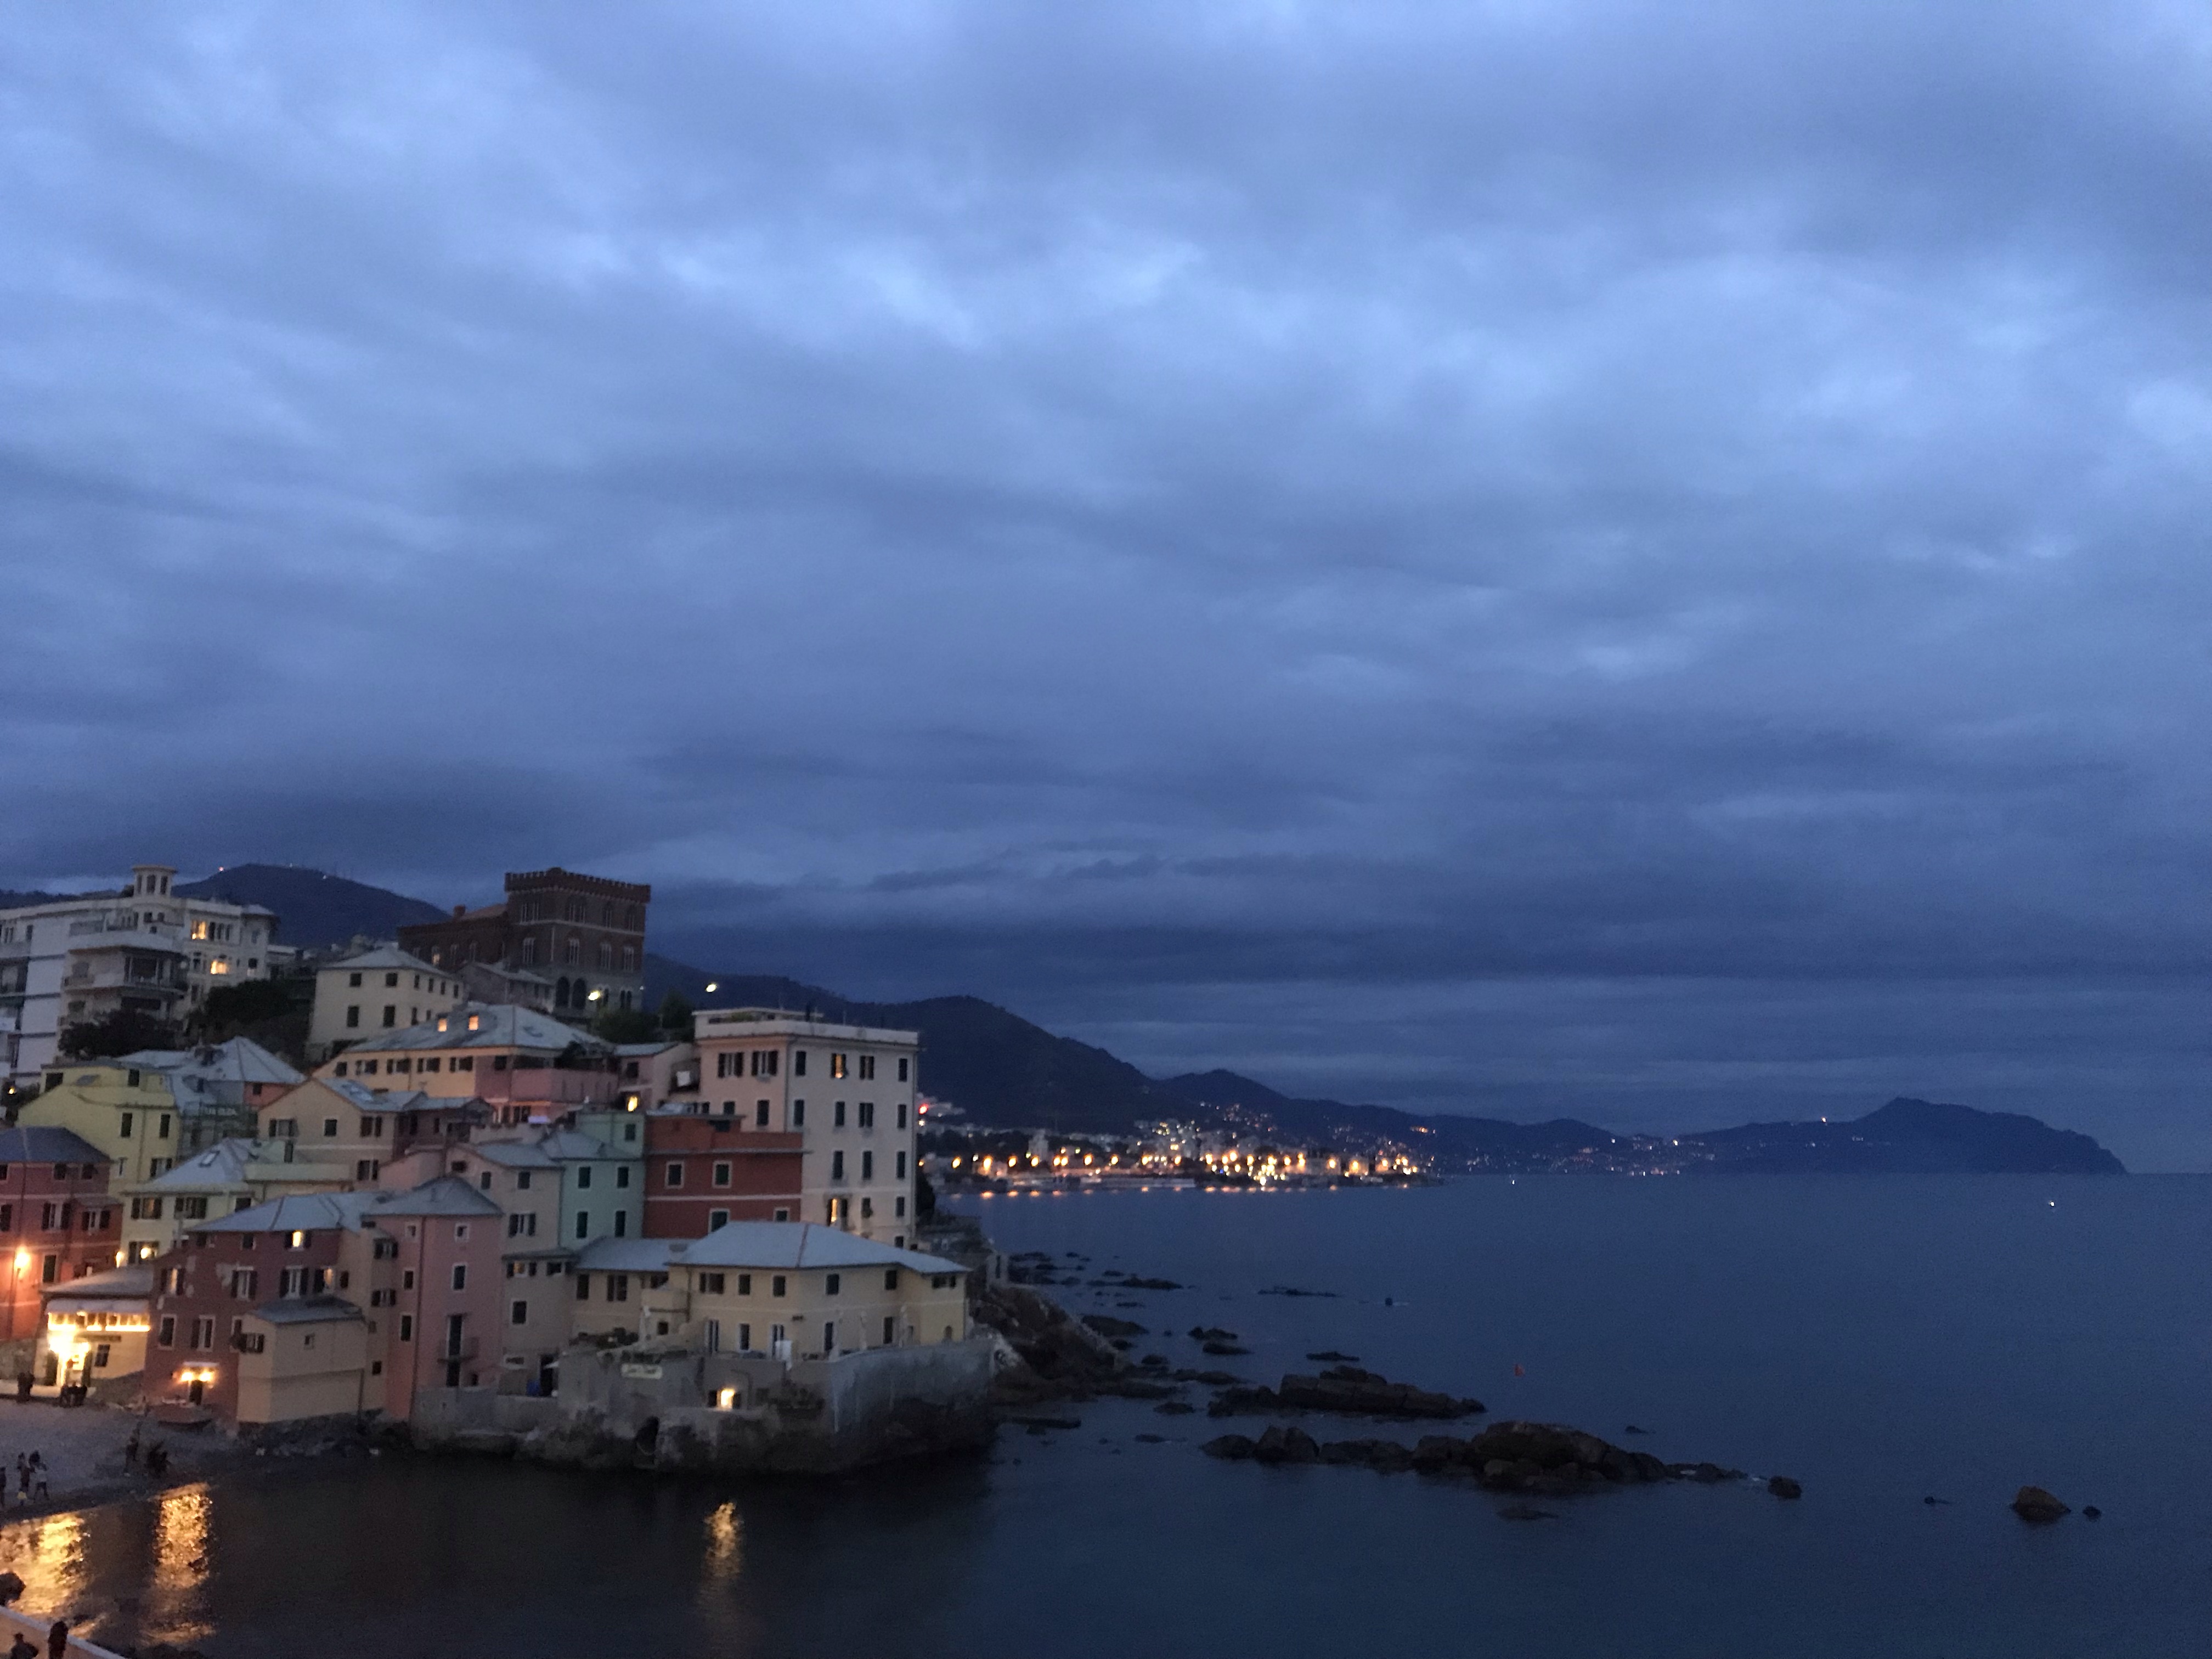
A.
x: 1882, y: 1340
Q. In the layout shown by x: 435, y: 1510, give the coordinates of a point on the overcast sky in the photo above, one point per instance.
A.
x: 1616, y: 558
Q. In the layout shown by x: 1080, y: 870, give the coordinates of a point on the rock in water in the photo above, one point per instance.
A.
x: 1232, y: 1446
x: 1783, y: 1486
x: 2091, y: 1512
x: 2035, y: 1504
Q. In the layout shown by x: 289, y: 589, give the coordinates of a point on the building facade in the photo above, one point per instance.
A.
x: 701, y: 1173
x: 147, y: 948
x: 523, y: 1065
x: 587, y: 934
x: 848, y: 1090
x: 383, y: 988
x: 57, y: 1220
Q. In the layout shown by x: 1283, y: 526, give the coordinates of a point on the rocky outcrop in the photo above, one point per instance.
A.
x: 1542, y: 1459
x: 2034, y: 1504
x: 1346, y: 1389
x: 1054, y: 1356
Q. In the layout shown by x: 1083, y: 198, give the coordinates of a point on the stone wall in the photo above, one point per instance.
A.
x: 635, y: 1408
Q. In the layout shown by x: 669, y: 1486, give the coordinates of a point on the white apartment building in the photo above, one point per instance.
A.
x: 383, y: 988
x: 849, y: 1089
x: 146, y: 947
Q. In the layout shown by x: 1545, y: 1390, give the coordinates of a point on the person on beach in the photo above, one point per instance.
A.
x: 38, y: 1473
x: 58, y: 1640
x: 19, y: 1649
x: 130, y: 1451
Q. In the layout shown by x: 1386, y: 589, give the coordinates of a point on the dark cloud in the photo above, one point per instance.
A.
x: 1671, y: 543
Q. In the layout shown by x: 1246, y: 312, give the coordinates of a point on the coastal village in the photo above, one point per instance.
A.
x: 467, y: 1211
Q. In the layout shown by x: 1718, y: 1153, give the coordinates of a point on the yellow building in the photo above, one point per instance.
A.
x: 94, y: 1329
x: 230, y: 1176
x: 131, y: 1113
x: 784, y: 1290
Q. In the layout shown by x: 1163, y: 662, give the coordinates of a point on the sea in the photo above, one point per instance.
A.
x: 1884, y: 1339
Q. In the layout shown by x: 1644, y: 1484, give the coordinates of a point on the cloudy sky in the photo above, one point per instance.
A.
x: 1611, y: 558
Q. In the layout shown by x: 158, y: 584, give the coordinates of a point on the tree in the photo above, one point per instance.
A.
x: 676, y: 1015
x: 125, y: 1031
x: 626, y: 1025
x: 925, y: 1195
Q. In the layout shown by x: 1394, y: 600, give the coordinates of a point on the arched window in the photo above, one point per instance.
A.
x: 606, y: 954
x: 606, y: 913
x: 630, y: 958
x: 632, y: 920
x: 530, y: 951
x: 575, y: 909
x: 573, y: 952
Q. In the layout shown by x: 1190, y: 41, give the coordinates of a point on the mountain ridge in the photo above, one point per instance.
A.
x: 1005, y: 1072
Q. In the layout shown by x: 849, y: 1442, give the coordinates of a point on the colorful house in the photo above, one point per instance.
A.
x: 57, y: 1220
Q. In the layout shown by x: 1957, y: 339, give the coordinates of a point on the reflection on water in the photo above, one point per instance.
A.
x: 54, y: 1547
x: 183, y: 1537
x: 725, y: 1546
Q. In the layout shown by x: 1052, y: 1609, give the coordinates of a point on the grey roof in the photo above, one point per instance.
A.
x: 440, y: 1195
x: 641, y: 1050
x: 241, y: 1060
x: 798, y: 1244
x: 232, y: 1162
x: 386, y: 1100
x: 117, y: 1283
x: 305, y: 1213
x: 387, y: 955
x: 500, y: 1026
x: 319, y: 1211
x: 307, y: 1310
x: 40, y: 1143
x: 626, y: 1255
x: 512, y: 1154
x: 573, y: 1144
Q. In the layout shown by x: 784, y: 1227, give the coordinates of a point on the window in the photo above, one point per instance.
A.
x: 867, y: 1166
x: 330, y: 1128
x: 461, y: 1233
x: 407, y: 1328
x: 887, y: 1330
x: 622, y: 1222
x: 783, y: 1215
x: 901, y: 1105
x: 166, y: 1336
x: 837, y: 1116
x: 744, y: 1339
x: 675, y: 1174
x: 518, y: 1313
x: 829, y: 1283
x: 622, y: 1174
x: 760, y: 1113
x: 798, y: 1113
x: 407, y: 1279
x: 722, y: 1174
x: 353, y: 1018
x: 129, y: 1118
x: 867, y: 1115
x: 776, y: 1285
x: 867, y: 1066
x: 583, y: 1224
x: 899, y: 1166
x: 836, y: 1066
x: 353, y: 982
x: 461, y: 1275
x: 203, y: 1334
x: 392, y: 982
x: 901, y: 1078
x: 837, y: 1165
x: 890, y: 1279
x: 829, y: 1336
x: 583, y: 1287
x: 522, y: 1181
x: 192, y: 1208
x: 617, y: 1287
x: 583, y: 1177
x: 898, y: 1209
x: 744, y: 1287
x: 799, y: 1062
x: 293, y: 1281
x: 710, y: 1284
x: 145, y: 1209
x: 391, y: 1014
x: 717, y: 1218
x: 161, y: 1127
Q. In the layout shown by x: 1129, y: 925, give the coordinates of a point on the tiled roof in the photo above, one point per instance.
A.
x: 241, y: 1060
x: 500, y: 1026
x: 441, y: 1195
x: 308, y: 1310
x: 123, y: 1284
x: 387, y: 956
x: 799, y: 1244
x: 626, y: 1255
x: 305, y: 1213
x: 32, y: 1143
